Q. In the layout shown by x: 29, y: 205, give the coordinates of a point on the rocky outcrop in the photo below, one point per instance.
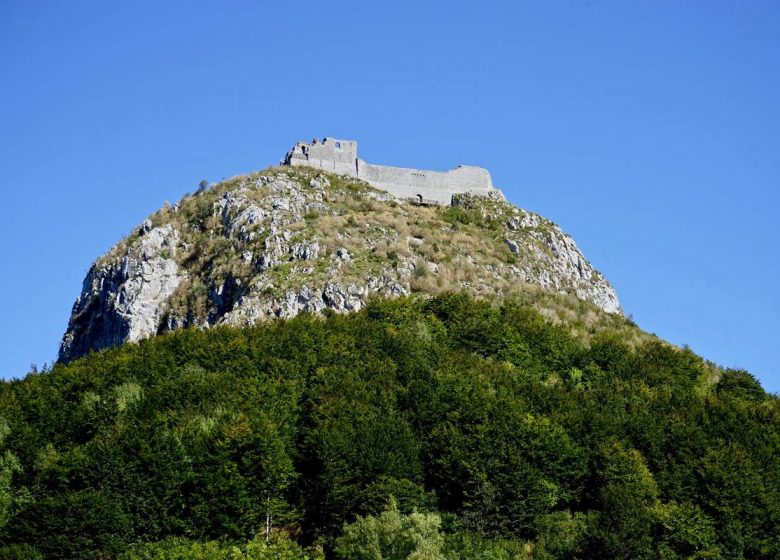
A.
x: 296, y: 240
x: 338, y: 297
x: 124, y: 302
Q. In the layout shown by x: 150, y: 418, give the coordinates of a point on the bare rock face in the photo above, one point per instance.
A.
x: 296, y: 240
x: 123, y: 302
x: 563, y: 264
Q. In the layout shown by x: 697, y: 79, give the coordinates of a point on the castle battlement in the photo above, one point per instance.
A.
x: 340, y: 157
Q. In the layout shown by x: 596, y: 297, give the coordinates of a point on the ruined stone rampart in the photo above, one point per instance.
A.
x: 340, y: 156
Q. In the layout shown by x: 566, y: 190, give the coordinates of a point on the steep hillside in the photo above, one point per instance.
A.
x: 510, y: 437
x: 291, y: 240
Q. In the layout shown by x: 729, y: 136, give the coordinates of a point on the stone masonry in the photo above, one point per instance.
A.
x: 340, y: 157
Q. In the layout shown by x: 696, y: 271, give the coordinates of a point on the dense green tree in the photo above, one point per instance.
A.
x: 524, y: 440
x: 687, y: 532
x: 9, y: 467
x: 181, y: 549
x: 392, y: 536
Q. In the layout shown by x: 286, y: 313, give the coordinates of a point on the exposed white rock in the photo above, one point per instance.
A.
x: 305, y: 250
x: 284, y: 266
x: 125, y: 302
x: 529, y: 221
x: 319, y: 182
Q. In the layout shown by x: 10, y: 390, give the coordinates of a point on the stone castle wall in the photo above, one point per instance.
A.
x: 340, y: 156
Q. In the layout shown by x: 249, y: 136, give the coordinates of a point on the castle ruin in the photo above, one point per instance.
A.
x: 423, y: 186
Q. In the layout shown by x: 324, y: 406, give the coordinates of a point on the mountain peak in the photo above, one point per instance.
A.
x: 296, y: 238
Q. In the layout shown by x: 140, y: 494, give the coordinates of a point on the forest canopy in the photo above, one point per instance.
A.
x: 440, y: 428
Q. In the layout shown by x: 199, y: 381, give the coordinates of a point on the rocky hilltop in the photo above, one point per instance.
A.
x: 294, y: 239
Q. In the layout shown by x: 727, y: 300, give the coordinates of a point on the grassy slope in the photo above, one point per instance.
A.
x: 465, y: 245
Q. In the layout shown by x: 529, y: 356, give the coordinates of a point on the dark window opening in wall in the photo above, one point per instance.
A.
x: 338, y: 144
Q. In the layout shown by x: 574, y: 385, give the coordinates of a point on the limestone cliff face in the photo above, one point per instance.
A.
x: 123, y: 300
x: 291, y: 240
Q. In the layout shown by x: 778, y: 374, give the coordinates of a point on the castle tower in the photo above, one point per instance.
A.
x: 328, y: 154
x: 340, y: 157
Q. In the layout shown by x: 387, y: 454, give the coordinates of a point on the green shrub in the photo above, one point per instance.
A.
x: 20, y: 552
x: 392, y: 536
x: 182, y: 549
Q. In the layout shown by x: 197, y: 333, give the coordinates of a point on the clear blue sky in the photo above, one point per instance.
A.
x: 649, y: 130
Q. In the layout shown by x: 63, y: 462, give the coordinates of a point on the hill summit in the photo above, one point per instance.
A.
x: 326, y: 231
x: 418, y: 185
